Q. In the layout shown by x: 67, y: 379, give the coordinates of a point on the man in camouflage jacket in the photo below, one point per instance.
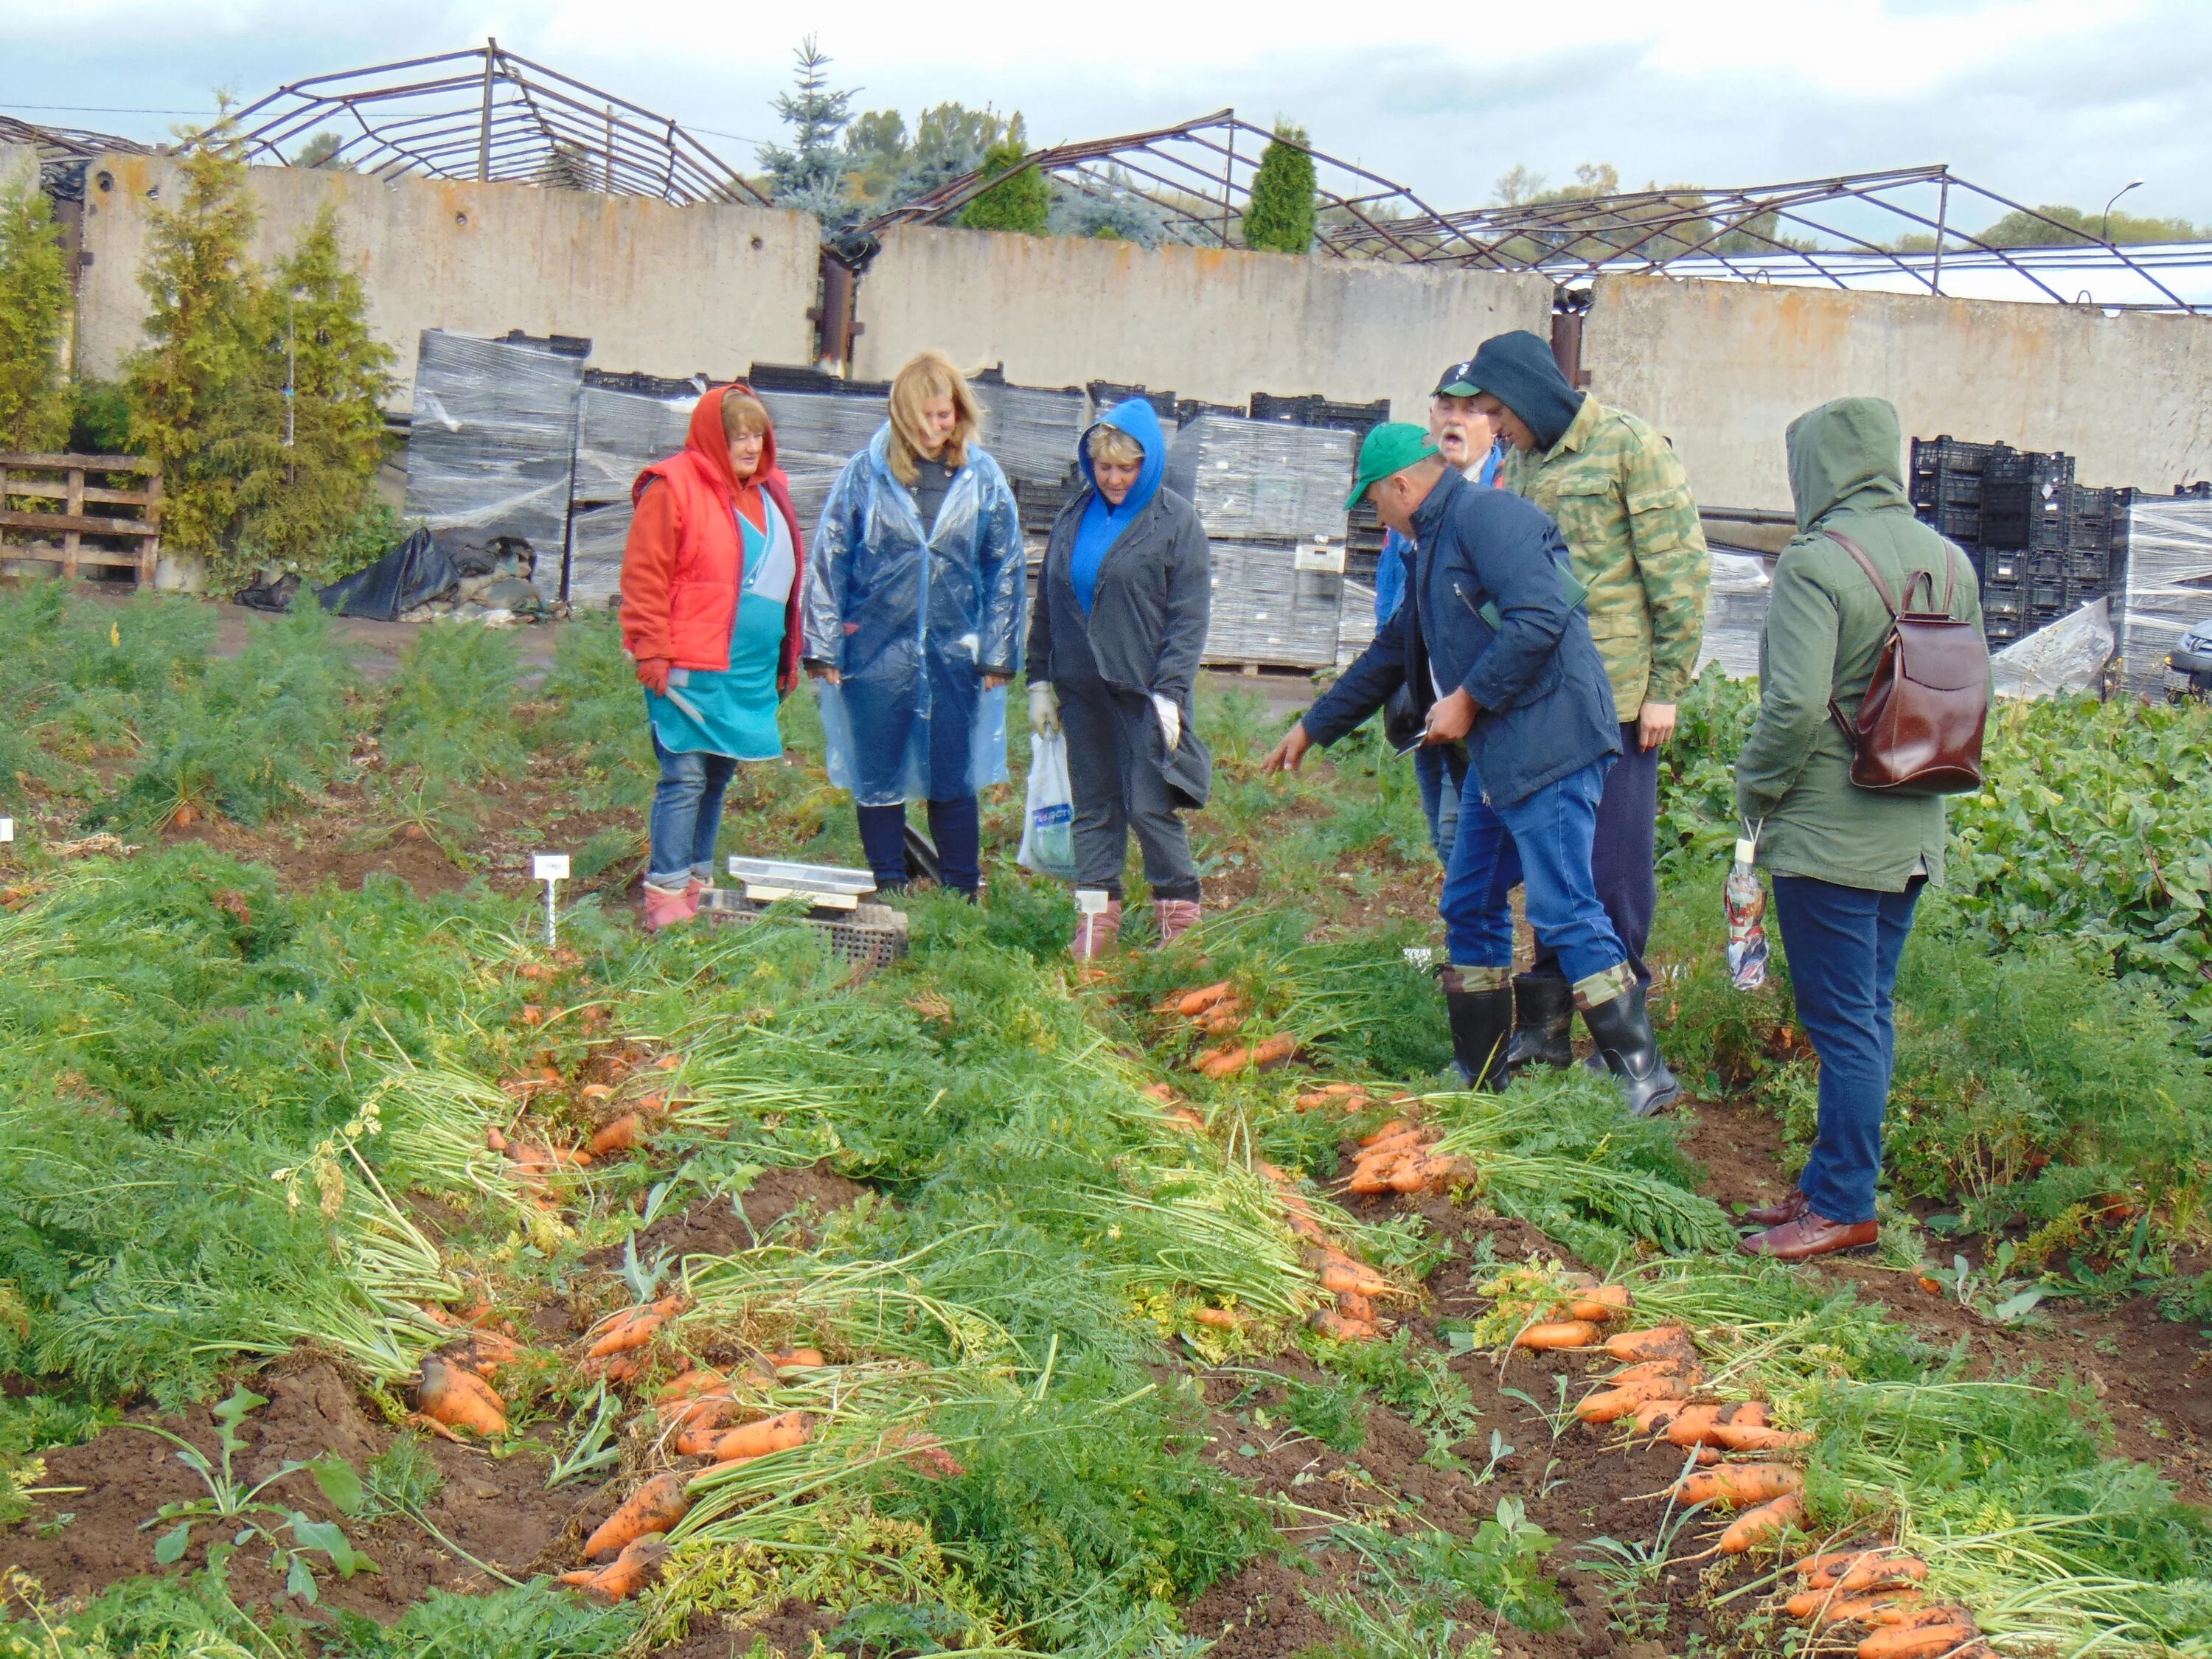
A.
x: 1623, y: 503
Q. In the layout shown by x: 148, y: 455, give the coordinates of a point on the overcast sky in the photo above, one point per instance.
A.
x: 2044, y: 101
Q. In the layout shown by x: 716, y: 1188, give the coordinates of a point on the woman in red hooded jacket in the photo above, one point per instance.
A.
x: 709, y: 611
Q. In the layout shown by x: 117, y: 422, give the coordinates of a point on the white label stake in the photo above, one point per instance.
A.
x: 552, y: 869
x: 7, y: 829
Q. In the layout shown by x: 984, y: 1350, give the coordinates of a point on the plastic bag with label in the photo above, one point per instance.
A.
x: 1049, y: 823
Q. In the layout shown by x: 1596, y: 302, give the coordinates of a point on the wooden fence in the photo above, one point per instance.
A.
x: 78, y: 535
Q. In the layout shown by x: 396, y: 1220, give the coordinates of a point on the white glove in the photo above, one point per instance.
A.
x: 1044, y: 710
x: 1170, y: 720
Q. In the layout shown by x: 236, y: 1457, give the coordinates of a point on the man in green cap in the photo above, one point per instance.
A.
x: 1499, y: 660
x: 1623, y: 503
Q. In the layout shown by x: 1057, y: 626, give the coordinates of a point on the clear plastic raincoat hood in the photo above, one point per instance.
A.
x: 913, y: 617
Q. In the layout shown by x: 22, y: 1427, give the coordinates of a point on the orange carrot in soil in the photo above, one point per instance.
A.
x: 1611, y: 1404
x: 1219, y: 1061
x: 1758, y: 1438
x: 1219, y: 1318
x: 706, y: 1411
x: 1355, y: 1308
x: 459, y: 1399
x: 1339, y: 1280
x: 1827, y: 1607
x: 1661, y: 1342
x: 772, y: 1434
x: 1838, y: 1561
x: 629, y: 1573
x: 1927, y: 1642
x: 796, y: 1359
x: 1557, y: 1333
x: 617, y: 1135
x: 634, y: 1327
x: 1194, y: 1003
x: 1732, y: 1485
x: 1412, y: 1175
x: 656, y: 1506
x: 1395, y: 1128
x: 1274, y: 1053
x: 703, y: 1379
x: 1756, y: 1526
x: 1687, y: 1370
x: 1370, y: 1178
x: 1329, y: 1322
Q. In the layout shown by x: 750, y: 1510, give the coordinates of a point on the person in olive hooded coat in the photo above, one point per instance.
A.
x: 1113, y: 649
x: 1847, y: 864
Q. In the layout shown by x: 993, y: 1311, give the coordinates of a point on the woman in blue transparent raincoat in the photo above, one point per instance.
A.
x: 914, y: 612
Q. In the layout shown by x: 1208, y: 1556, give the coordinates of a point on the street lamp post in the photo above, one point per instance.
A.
x: 2104, y: 235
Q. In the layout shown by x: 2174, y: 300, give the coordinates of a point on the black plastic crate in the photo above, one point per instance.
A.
x: 1104, y: 394
x: 2008, y: 565
x: 1963, y: 524
x: 1945, y: 452
x: 2000, y: 629
x: 2049, y: 596
x: 2089, y: 567
x: 2002, y: 597
x: 643, y: 385
x: 561, y: 345
x: 1303, y: 410
x: 794, y: 377
x: 2027, y: 501
x: 1189, y: 408
x: 1946, y: 487
x: 1361, y: 418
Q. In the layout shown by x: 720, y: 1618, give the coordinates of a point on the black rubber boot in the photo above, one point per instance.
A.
x: 1543, y: 1022
x: 1622, y: 1031
x: 1481, y: 1024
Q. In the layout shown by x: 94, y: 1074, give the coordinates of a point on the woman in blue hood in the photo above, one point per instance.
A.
x: 1115, y: 643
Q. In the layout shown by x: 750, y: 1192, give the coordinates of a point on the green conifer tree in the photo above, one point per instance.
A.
x: 1281, y: 216
x: 34, y: 399
x: 1021, y: 202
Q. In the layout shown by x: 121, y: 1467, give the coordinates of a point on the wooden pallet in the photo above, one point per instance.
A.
x: 98, y: 540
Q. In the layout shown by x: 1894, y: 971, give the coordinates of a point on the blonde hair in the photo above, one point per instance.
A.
x: 1113, y: 447
x: 742, y: 412
x: 930, y: 374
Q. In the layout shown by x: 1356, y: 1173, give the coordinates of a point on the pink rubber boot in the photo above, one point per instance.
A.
x: 665, y: 907
x: 1096, y: 931
x: 1178, y: 917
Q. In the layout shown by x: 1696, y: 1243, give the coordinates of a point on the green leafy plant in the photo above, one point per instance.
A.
x: 1021, y: 202
x: 1279, y: 216
x: 233, y: 1506
x: 34, y: 296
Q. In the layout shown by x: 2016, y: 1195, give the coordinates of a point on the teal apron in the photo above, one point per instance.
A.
x: 733, y: 712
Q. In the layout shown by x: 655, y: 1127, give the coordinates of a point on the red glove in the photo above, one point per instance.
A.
x: 653, y: 674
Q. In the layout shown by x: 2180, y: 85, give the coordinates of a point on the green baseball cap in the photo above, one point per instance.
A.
x: 1391, y: 448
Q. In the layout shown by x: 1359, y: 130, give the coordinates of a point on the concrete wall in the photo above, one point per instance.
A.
x: 19, y: 165
x: 660, y: 289
x: 1205, y: 322
x: 1722, y: 368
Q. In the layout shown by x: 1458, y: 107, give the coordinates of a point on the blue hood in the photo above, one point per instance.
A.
x: 1141, y: 421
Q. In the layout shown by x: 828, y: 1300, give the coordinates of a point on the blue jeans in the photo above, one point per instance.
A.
x: 1623, y: 855
x: 1551, y: 831
x: 1439, y: 798
x: 687, y: 815
x: 1843, y: 944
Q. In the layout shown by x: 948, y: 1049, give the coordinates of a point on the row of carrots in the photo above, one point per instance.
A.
x: 1653, y: 1389
x: 1216, y: 1010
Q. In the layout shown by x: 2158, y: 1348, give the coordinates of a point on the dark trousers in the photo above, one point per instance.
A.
x: 687, y: 815
x: 1621, y: 856
x: 1117, y: 788
x: 953, y: 825
x: 1843, y: 944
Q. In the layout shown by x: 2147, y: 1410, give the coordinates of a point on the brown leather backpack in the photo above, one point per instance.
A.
x: 1919, y: 726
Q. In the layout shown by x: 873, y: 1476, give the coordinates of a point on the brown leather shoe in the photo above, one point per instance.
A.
x: 1811, y: 1235
x: 1775, y: 1214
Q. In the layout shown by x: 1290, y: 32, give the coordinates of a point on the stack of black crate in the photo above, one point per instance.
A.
x: 2042, y: 544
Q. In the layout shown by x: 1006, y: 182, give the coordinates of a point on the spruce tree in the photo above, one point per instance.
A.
x: 34, y: 399
x: 1279, y: 217
x: 810, y: 173
x: 1021, y: 202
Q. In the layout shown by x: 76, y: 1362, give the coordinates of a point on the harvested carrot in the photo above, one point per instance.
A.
x: 617, y: 1135
x: 1661, y: 1342
x: 1371, y: 1178
x: 706, y: 1411
x: 459, y: 1399
x: 1758, y: 1438
x: 634, y: 1327
x: 796, y: 1359
x: 1557, y: 1333
x: 1732, y: 1485
x: 656, y: 1506
x: 1274, y: 1172
x: 699, y: 1439
x: 1220, y: 1062
x: 1412, y: 1175
x: 1390, y: 1131
x: 1225, y: 1020
x: 1274, y: 1053
x: 1159, y: 1091
x: 629, y: 1573
x: 704, y: 1380
x: 1220, y: 1318
x: 1926, y: 1642
x: 1194, y: 1003
x: 1892, y: 1572
x: 1756, y: 1526
x: 1693, y: 1425
x: 1686, y: 1370
x: 772, y: 1434
x: 1827, y: 1607
x: 1329, y: 1322
x: 616, y: 1368
x: 1356, y: 1307
x: 1839, y: 1561
x: 1339, y: 1280
x: 1611, y: 1404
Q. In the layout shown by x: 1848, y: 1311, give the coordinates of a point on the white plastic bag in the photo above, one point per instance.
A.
x: 1049, y: 826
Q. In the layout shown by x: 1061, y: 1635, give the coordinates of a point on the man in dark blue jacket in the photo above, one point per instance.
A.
x: 1499, y: 661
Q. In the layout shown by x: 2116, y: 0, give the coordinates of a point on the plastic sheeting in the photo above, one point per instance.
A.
x: 597, y: 536
x: 2069, y: 655
x: 414, y: 573
x: 1262, y: 480
x: 1355, y: 622
x: 1265, y: 609
x: 1736, y: 613
x: 2169, y: 584
x: 911, y: 621
x: 492, y: 445
x: 816, y: 434
x: 620, y: 433
x: 1032, y: 432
